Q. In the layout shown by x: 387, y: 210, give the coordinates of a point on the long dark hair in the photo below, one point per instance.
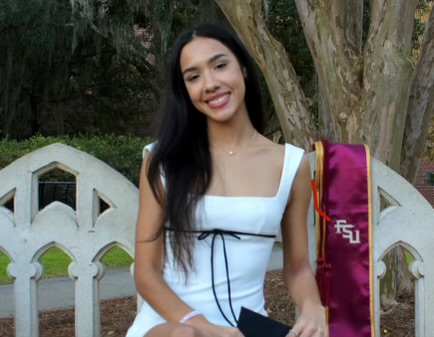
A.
x: 182, y: 153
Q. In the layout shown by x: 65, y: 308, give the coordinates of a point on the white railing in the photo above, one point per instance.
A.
x: 87, y: 234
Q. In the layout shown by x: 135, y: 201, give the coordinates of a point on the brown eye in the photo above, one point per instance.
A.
x: 192, y: 78
x: 220, y: 65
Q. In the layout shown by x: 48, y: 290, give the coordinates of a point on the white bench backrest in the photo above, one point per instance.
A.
x: 86, y: 234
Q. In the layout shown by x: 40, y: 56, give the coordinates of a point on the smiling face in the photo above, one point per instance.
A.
x: 214, y: 79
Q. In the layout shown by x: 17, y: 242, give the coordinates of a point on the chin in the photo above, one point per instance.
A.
x: 223, y: 118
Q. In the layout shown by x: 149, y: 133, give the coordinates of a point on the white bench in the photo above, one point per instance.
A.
x: 87, y: 234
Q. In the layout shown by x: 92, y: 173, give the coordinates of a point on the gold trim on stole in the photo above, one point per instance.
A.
x: 371, y: 250
x: 320, y: 222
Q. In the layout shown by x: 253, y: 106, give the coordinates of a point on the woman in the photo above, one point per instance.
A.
x: 214, y: 193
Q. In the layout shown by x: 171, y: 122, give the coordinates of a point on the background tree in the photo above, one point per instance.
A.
x: 372, y: 88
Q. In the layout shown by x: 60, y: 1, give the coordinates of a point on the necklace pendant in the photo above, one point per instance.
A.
x: 231, y: 153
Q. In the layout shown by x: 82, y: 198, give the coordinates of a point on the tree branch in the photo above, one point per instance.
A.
x: 346, y: 20
x: 420, y: 106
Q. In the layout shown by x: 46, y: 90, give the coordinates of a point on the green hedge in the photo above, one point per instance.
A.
x: 123, y: 153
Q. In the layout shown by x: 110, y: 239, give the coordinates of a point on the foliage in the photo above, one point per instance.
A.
x: 63, y: 72
x: 123, y: 153
x: 420, y: 21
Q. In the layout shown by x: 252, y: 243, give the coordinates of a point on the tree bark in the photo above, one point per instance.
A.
x: 387, y: 75
x: 333, y: 32
x: 288, y: 98
x: 420, y: 107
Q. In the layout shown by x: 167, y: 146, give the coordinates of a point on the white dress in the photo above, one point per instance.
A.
x: 236, y: 230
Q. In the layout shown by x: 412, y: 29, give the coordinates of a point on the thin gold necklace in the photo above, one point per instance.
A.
x: 233, y: 152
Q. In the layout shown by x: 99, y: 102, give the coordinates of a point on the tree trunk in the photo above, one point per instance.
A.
x: 420, y: 107
x: 325, y: 117
x: 362, y: 89
x: 387, y: 75
x: 333, y: 33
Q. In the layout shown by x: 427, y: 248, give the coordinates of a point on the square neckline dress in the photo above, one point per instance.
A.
x: 235, y: 237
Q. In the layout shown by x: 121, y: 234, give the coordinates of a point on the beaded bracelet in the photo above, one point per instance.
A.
x: 189, y: 316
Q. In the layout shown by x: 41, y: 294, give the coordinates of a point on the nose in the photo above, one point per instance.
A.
x: 211, y: 83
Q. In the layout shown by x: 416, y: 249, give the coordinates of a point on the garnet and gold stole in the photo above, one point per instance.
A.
x: 344, y: 238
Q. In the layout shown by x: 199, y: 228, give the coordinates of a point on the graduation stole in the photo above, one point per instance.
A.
x: 344, y: 238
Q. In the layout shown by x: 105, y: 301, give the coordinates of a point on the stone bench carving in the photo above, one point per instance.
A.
x: 88, y: 232
x: 85, y: 234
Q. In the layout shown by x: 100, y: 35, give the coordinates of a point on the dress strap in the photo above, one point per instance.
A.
x: 150, y: 148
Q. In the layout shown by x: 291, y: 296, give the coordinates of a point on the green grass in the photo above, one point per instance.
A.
x: 4, y: 261
x: 56, y: 262
x: 117, y: 258
x: 408, y: 257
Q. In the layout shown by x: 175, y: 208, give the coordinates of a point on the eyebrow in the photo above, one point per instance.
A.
x: 211, y: 60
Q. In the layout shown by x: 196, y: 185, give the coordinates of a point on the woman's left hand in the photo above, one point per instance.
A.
x: 311, y: 323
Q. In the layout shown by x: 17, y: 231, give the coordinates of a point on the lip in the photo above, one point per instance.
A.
x: 218, y: 101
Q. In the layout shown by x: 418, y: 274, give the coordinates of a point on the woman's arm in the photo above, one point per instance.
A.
x: 296, y: 268
x: 149, y: 254
x: 149, y: 258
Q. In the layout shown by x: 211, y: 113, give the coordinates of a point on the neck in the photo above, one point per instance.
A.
x: 229, y: 136
x: 231, y: 141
